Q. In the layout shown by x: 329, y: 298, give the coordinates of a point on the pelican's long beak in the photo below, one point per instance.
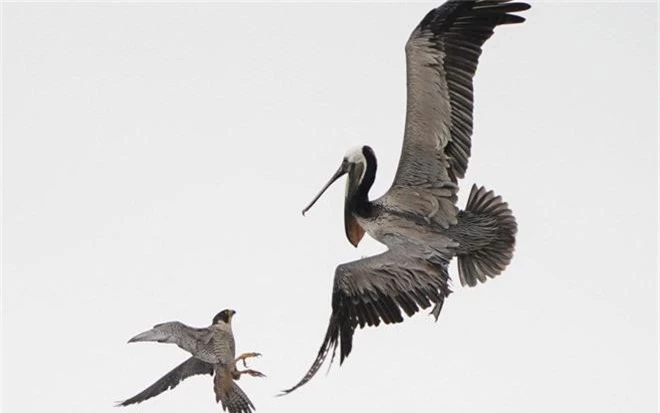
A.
x: 343, y: 169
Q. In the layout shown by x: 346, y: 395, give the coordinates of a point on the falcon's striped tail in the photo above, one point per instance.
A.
x: 232, y: 397
x: 492, y: 236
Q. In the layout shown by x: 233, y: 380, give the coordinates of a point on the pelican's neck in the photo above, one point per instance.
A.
x: 359, y: 203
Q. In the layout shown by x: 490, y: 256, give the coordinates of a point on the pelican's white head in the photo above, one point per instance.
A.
x: 360, y: 165
x: 356, y: 164
x: 356, y: 155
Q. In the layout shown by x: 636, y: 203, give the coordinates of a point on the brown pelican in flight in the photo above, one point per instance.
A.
x: 417, y: 219
x: 213, y: 352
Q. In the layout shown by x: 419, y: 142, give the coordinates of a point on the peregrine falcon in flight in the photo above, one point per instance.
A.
x: 213, y: 352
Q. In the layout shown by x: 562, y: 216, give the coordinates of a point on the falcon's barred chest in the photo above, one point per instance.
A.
x: 223, y: 343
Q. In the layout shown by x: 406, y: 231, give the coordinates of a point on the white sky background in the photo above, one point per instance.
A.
x: 157, y: 156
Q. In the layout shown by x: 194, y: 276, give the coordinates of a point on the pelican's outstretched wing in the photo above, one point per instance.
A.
x: 441, y: 59
x: 376, y: 289
x: 188, y: 368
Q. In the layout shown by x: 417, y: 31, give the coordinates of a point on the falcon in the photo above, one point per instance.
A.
x: 213, y: 352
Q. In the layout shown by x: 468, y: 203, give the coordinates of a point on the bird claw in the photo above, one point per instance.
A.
x: 245, y: 356
x: 253, y: 373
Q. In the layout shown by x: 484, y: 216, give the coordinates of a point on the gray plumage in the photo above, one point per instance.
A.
x: 190, y: 367
x: 213, y: 344
x: 213, y: 351
x: 417, y: 219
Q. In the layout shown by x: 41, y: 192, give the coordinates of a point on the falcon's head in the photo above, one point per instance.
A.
x: 224, y: 316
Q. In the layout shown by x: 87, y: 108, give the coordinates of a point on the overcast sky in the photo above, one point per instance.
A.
x: 157, y: 156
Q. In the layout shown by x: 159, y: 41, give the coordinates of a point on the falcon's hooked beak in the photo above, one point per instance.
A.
x: 230, y: 316
x: 224, y: 316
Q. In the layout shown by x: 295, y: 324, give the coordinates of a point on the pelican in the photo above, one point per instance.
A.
x: 417, y: 218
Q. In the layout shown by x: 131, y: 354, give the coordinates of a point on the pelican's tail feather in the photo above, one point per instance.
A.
x: 497, y: 238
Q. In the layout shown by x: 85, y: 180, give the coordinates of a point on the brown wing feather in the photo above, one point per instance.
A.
x: 441, y: 58
x: 374, y: 290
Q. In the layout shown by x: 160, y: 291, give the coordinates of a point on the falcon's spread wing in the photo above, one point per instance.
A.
x: 188, y: 368
x: 441, y: 59
x: 193, y: 340
x: 374, y: 290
